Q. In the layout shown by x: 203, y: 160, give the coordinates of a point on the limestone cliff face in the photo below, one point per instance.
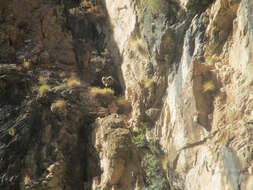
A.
x: 193, y: 62
x: 185, y: 67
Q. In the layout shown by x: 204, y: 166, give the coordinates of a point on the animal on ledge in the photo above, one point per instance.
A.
x: 108, y: 82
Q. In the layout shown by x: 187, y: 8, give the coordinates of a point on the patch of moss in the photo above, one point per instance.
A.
x: 11, y: 132
x: 43, y: 89
x: 140, y: 139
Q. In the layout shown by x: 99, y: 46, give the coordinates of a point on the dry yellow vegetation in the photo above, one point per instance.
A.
x: 59, y: 103
x: 26, y: 64
x: 208, y: 86
x: 73, y: 82
x: 43, y: 89
x: 148, y: 83
x: 102, y: 91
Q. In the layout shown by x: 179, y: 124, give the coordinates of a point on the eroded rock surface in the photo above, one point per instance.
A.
x: 195, y: 69
x: 119, y: 157
x: 184, y: 66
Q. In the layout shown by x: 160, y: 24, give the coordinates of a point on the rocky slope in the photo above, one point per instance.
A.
x: 178, y: 114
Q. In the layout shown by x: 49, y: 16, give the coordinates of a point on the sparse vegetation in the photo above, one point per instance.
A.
x: 101, y: 91
x: 145, y: 138
x: 62, y: 74
x: 103, y: 98
x: 11, y: 131
x: 27, y: 180
x: 59, y: 103
x: 43, y: 89
x: 59, y: 106
x: 140, y: 139
x: 73, y: 82
x: 153, y: 165
x: 148, y: 83
x: 42, y: 80
x: 105, y: 52
x: 97, y: 70
x: 208, y: 86
x: 212, y: 60
x: 98, y: 59
x: 26, y: 64
x: 155, y: 176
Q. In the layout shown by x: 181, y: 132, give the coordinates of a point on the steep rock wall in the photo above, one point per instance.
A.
x: 185, y: 66
x: 194, y: 65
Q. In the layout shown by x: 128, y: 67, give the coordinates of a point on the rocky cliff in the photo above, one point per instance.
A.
x: 106, y: 94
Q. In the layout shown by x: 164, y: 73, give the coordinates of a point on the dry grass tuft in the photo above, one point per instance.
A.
x: 73, y: 82
x: 59, y: 103
x: 212, y: 60
x: 62, y: 74
x: 59, y: 106
x: 27, y: 180
x: 11, y: 132
x: 26, y: 64
x: 148, y: 83
x: 102, y: 97
x: 101, y: 91
x: 164, y: 160
x: 208, y: 86
x: 43, y: 89
x: 42, y: 80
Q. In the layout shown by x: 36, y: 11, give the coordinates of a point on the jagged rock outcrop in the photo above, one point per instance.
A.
x: 184, y: 66
x: 119, y: 157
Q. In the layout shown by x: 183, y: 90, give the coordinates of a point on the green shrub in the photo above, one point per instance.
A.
x: 155, y: 176
x: 151, y: 163
x: 140, y: 139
